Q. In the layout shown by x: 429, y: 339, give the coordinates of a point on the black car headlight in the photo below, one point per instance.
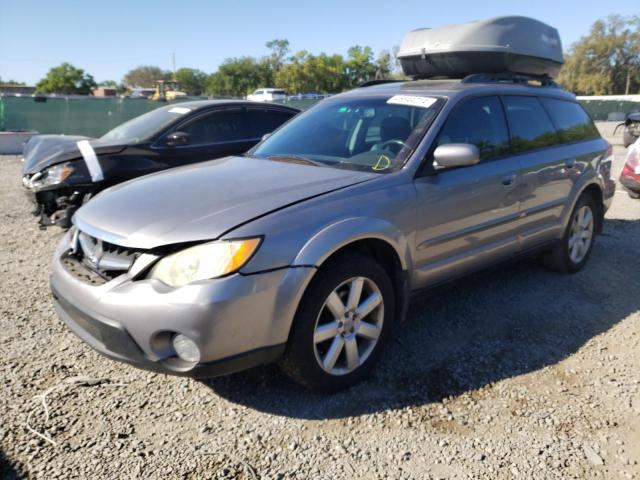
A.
x: 51, y: 176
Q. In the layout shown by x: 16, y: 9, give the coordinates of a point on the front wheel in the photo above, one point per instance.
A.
x: 573, y: 251
x: 341, y: 324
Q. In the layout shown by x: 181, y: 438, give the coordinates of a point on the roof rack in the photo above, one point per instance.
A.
x: 510, y: 77
x: 371, y: 83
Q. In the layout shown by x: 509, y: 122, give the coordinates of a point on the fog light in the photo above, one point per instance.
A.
x: 186, y: 348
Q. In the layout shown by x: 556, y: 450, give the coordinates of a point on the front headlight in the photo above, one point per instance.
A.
x: 52, y: 176
x: 202, y: 262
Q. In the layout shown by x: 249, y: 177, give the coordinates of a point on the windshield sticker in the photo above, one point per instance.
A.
x: 91, y: 160
x: 412, y: 101
x: 383, y: 163
x: 180, y: 110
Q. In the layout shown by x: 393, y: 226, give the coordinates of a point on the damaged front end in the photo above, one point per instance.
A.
x: 54, y: 201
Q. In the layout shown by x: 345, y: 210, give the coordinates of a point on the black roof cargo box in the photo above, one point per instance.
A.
x: 502, y: 44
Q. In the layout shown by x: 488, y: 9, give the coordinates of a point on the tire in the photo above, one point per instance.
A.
x: 572, y: 252
x: 320, y: 353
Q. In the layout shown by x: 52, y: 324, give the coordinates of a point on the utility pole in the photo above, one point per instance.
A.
x: 173, y: 61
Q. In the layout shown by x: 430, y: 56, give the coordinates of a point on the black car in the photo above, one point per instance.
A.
x: 62, y: 172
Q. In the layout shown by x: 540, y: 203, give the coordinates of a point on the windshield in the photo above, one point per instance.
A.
x: 371, y: 134
x: 146, y: 125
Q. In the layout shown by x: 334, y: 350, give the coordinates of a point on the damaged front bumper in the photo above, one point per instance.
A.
x: 55, y: 206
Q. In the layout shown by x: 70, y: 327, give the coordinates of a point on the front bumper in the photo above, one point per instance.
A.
x: 237, y: 322
x: 56, y: 205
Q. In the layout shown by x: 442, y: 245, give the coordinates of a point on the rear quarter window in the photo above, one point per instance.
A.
x: 530, y: 125
x: 571, y: 121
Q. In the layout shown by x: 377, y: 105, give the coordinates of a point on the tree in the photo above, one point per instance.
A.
x: 11, y: 82
x: 145, y: 76
x: 279, y: 50
x: 237, y: 77
x: 191, y: 80
x: 309, y: 73
x: 360, y: 66
x: 108, y: 84
x: 384, y: 65
x: 66, y: 79
x: 607, y: 61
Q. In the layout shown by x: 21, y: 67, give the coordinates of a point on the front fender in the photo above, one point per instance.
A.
x: 337, y: 235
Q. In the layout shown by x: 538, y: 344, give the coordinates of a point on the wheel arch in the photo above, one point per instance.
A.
x: 375, y: 238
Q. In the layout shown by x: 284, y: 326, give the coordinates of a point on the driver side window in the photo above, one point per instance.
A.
x: 480, y: 122
x: 225, y: 126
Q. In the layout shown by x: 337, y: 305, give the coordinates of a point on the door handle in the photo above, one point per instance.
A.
x: 508, y: 180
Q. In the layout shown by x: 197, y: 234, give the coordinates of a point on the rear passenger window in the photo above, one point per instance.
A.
x: 571, y: 120
x: 481, y: 122
x: 531, y: 127
x: 261, y: 121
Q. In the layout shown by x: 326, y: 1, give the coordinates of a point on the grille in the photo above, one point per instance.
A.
x: 95, y: 261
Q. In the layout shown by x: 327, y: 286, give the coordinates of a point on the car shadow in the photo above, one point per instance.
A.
x: 9, y: 471
x: 480, y: 330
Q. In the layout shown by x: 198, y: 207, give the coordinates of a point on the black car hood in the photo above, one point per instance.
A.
x: 43, y: 151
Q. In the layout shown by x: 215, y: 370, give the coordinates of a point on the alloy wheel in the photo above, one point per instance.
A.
x: 348, y: 326
x: 581, y: 234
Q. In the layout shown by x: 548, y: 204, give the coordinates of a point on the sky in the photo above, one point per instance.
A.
x: 108, y: 38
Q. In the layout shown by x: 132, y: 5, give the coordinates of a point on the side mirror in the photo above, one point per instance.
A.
x: 177, y: 138
x: 456, y: 155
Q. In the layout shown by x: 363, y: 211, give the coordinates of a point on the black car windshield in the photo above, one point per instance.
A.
x: 146, y: 125
x: 374, y: 134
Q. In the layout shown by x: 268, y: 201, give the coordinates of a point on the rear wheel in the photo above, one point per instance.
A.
x: 573, y: 251
x: 341, y: 324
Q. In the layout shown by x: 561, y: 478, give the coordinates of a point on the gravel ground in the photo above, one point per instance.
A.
x: 516, y: 373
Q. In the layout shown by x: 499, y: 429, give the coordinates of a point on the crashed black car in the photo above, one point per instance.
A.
x: 61, y: 172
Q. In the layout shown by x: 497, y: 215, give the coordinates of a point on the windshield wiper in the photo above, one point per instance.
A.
x: 295, y: 159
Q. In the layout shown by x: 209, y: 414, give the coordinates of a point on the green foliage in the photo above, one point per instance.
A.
x: 145, y: 76
x: 66, y: 79
x: 191, y: 80
x: 359, y: 66
x: 279, y: 50
x: 237, y: 77
x: 607, y: 61
x: 11, y: 82
x: 300, y: 73
x: 310, y: 73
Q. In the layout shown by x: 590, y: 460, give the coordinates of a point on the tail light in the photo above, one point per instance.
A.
x: 631, y: 168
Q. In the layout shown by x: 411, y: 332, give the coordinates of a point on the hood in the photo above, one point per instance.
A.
x: 205, y: 200
x: 43, y: 151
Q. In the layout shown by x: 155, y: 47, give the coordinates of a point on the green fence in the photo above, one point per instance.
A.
x: 89, y: 116
x: 93, y: 116
x: 611, y: 107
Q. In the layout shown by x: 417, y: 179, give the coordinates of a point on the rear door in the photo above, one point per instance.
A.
x: 541, y: 131
x: 467, y: 217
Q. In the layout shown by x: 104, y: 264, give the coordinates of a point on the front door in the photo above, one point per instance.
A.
x: 210, y: 135
x: 467, y: 217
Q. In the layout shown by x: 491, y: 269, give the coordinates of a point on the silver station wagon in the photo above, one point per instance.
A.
x: 306, y: 249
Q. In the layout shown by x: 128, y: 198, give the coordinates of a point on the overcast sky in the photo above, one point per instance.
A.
x: 108, y: 38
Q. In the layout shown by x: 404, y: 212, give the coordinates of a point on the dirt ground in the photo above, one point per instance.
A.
x: 517, y: 373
